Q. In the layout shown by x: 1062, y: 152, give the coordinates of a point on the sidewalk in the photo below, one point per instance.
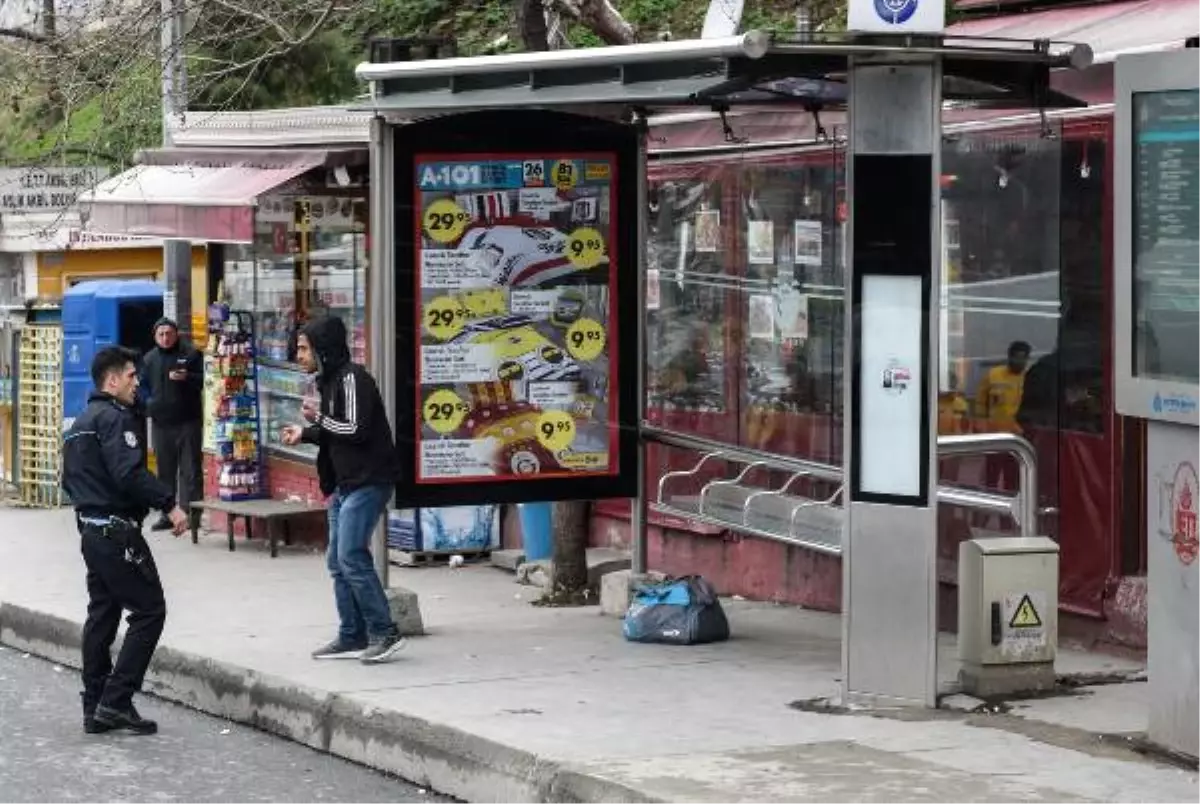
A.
x: 504, y: 701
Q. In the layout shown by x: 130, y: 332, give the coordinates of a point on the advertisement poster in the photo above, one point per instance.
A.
x: 760, y: 243
x: 890, y: 366
x: 516, y: 298
x: 807, y: 239
x: 708, y: 231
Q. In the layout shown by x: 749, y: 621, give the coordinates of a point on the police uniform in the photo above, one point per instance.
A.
x: 105, y: 475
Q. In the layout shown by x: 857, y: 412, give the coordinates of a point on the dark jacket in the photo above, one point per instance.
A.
x: 352, y: 431
x: 104, y: 463
x: 167, y: 401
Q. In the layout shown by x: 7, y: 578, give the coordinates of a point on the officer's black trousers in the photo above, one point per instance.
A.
x: 121, y: 575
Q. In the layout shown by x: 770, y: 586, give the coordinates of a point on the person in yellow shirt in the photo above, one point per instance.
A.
x: 998, y: 397
x: 996, y: 404
x: 953, y: 410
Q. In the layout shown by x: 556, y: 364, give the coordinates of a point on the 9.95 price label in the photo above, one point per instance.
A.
x: 444, y: 318
x: 444, y: 411
x: 585, y: 248
x: 586, y: 339
x: 555, y: 430
x: 445, y: 221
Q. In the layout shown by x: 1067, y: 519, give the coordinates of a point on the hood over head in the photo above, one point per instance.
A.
x: 327, y: 336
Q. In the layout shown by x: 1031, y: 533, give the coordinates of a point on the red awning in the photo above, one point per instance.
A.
x: 193, y: 195
x: 1111, y: 29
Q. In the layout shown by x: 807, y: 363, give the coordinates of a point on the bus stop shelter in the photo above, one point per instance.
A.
x: 520, y: 139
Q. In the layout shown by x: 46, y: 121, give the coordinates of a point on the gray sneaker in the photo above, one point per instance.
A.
x: 382, y: 650
x: 337, y: 649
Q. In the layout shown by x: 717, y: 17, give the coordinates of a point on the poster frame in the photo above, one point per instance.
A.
x: 517, y: 132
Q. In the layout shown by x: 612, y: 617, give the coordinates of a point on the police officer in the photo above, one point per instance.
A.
x: 105, y: 474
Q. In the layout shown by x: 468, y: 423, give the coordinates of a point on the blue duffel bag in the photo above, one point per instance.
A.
x: 679, y: 611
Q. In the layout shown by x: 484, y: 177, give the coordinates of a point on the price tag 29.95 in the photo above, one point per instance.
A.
x: 445, y: 221
x: 586, y: 339
x: 444, y: 318
x: 555, y: 430
x: 444, y: 411
x: 585, y: 248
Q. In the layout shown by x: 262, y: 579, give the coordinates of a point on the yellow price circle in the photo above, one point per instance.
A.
x: 565, y: 174
x: 585, y: 248
x: 586, y: 339
x: 444, y: 411
x: 555, y: 430
x: 444, y: 318
x: 445, y: 221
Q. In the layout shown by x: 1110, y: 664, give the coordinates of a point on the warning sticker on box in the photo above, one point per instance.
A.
x: 1024, y: 622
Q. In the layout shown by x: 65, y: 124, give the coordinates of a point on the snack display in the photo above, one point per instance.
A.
x: 515, y: 293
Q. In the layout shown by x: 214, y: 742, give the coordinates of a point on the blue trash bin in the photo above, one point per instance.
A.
x: 536, y: 536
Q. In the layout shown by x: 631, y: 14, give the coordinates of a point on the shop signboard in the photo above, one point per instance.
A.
x: 34, y: 190
x: 520, y: 280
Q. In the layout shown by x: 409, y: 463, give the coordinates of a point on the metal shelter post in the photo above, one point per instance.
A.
x: 638, y: 525
x: 380, y: 296
x: 889, y: 646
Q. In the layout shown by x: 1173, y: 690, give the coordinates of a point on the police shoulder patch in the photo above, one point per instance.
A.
x: 131, y: 439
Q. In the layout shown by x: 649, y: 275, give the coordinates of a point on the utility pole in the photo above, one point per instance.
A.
x: 177, y: 254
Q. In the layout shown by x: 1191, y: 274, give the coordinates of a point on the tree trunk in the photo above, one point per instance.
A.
x: 531, y: 25
x: 570, y: 528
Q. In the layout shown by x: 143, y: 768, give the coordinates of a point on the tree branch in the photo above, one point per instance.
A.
x: 601, y: 17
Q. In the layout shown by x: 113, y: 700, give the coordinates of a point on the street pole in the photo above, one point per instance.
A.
x: 177, y: 254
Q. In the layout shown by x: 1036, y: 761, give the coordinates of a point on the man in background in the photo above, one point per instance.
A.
x: 997, y: 402
x: 173, y: 379
x: 998, y: 397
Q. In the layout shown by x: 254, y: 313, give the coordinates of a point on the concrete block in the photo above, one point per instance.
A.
x: 601, y: 562
x: 961, y: 703
x: 538, y: 573
x: 989, y: 681
x: 605, y: 560
x: 616, y: 590
x: 508, y: 559
x: 406, y: 611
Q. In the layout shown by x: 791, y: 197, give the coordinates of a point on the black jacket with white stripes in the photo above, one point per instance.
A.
x: 352, y: 430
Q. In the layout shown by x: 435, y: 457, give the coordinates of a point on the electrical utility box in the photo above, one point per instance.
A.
x: 1007, y: 614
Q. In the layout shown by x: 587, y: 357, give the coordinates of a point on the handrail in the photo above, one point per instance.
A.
x: 1023, y: 509
x: 1011, y: 444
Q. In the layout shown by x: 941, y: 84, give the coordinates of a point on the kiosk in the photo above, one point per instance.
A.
x: 1157, y: 364
x: 512, y: 378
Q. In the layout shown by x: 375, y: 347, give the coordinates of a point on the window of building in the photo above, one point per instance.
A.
x: 308, y: 259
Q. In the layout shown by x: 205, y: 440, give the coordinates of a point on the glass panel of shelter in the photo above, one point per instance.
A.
x: 746, y: 261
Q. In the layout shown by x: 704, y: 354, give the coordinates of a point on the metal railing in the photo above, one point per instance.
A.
x: 1022, y: 508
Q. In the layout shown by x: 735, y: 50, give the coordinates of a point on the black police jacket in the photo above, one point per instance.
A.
x: 355, y: 439
x: 104, y: 463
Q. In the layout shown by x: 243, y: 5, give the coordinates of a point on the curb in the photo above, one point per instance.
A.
x: 442, y: 758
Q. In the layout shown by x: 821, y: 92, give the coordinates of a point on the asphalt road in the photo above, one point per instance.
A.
x: 45, y: 755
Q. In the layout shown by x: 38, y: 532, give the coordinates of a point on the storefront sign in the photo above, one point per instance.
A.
x: 26, y: 190
x: 82, y: 239
x: 514, y: 318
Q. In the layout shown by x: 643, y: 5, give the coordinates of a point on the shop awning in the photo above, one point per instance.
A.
x: 1110, y: 29
x: 205, y: 195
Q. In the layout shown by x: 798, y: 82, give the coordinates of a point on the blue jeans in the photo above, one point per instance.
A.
x: 361, y: 603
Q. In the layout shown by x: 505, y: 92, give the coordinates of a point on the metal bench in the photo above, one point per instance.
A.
x: 274, y: 512
x: 742, y: 502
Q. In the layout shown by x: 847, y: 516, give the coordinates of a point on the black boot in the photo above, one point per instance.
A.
x: 90, y: 726
x: 162, y: 524
x: 124, y: 719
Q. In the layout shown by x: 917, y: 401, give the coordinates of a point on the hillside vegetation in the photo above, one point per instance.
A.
x: 94, y: 99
